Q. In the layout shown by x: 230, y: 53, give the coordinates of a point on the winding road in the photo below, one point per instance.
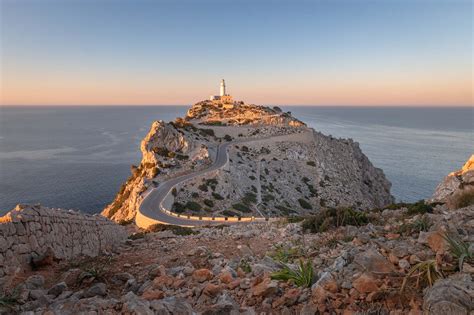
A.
x: 151, y: 210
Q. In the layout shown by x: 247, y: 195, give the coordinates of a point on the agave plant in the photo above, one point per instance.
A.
x: 302, y: 275
x: 459, y: 249
x: 425, y: 271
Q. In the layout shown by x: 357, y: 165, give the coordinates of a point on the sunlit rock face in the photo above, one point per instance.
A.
x: 277, y: 166
x: 456, y: 184
x: 239, y: 113
x: 166, y: 149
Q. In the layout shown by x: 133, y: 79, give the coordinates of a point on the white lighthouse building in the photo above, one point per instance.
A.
x: 223, y: 97
x: 222, y: 88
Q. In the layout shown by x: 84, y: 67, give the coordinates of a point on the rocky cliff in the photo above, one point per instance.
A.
x: 277, y: 166
x: 457, y: 189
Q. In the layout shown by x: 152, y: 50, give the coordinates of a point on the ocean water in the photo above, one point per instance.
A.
x: 77, y: 157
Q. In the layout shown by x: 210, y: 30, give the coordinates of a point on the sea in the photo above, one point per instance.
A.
x: 77, y: 157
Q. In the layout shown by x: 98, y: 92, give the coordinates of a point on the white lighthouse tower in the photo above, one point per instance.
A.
x: 222, y: 88
x: 223, y: 98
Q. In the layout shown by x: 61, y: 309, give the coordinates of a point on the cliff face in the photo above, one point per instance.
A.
x: 167, y: 149
x: 277, y: 166
x: 457, y: 185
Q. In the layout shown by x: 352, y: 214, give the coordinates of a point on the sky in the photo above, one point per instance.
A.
x: 333, y: 52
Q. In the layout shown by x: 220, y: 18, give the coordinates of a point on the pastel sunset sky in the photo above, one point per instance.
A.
x: 334, y: 52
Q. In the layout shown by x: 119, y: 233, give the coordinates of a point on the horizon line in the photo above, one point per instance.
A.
x: 290, y: 105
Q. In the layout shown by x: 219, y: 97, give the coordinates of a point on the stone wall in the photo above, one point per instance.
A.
x: 28, y: 232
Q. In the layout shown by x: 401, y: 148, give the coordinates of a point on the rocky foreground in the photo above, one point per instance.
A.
x: 405, y: 259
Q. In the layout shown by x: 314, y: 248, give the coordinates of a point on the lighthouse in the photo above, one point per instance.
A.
x: 223, y: 97
x: 222, y: 88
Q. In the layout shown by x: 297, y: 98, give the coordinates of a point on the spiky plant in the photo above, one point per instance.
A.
x: 424, y: 272
x: 302, y: 275
x: 459, y: 249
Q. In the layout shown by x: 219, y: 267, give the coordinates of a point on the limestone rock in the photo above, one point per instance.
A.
x: 455, y: 184
x: 454, y: 295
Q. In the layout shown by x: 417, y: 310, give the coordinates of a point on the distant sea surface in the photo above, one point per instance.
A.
x: 77, y: 157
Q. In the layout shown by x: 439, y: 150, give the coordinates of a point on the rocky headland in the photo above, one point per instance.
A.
x: 277, y: 166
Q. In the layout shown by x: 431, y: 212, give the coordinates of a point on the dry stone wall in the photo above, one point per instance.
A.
x: 29, y: 232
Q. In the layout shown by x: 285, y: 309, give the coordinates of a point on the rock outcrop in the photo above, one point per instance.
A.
x: 277, y: 166
x: 457, y: 189
x: 35, y: 235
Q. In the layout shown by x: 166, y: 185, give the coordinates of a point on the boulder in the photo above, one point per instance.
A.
x: 454, y: 296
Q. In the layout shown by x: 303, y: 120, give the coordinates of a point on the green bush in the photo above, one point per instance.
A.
x: 241, y: 207
x: 227, y: 138
x: 203, y: 187
x: 305, y: 204
x: 207, y: 132
x: 217, y: 196
x: 193, y: 206
x: 176, y: 229
x: 419, y: 208
x: 230, y: 213
x: 178, y: 207
x: 209, y: 203
x: 195, y: 195
x: 249, y: 198
x: 311, y: 163
x: 333, y: 218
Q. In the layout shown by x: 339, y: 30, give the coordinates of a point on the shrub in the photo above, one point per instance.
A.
x: 209, y: 203
x: 176, y: 229
x: 193, y: 206
x: 419, y: 208
x: 178, y: 207
x: 207, y: 132
x: 136, y: 236
x: 155, y: 171
x: 301, y: 276
x: 245, y: 148
x: 227, y: 138
x: 203, y: 187
x: 252, y: 177
x: 285, y: 254
x: 311, y: 163
x: 214, y: 123
x: 422, y: 224
x: 217, y: 196
x: 284, y: 210
x: 182, y: 157
x: 230, y: 213
x: 425, y: 273
x: 462, y: 199
x: 333, y: 218
x: 241, y: 207
x: 304, y: 204
x: 195, y: 195
x: 125, y: 222
x: 249, y: 198
x: 174, y: 191
x: 294, y: 219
